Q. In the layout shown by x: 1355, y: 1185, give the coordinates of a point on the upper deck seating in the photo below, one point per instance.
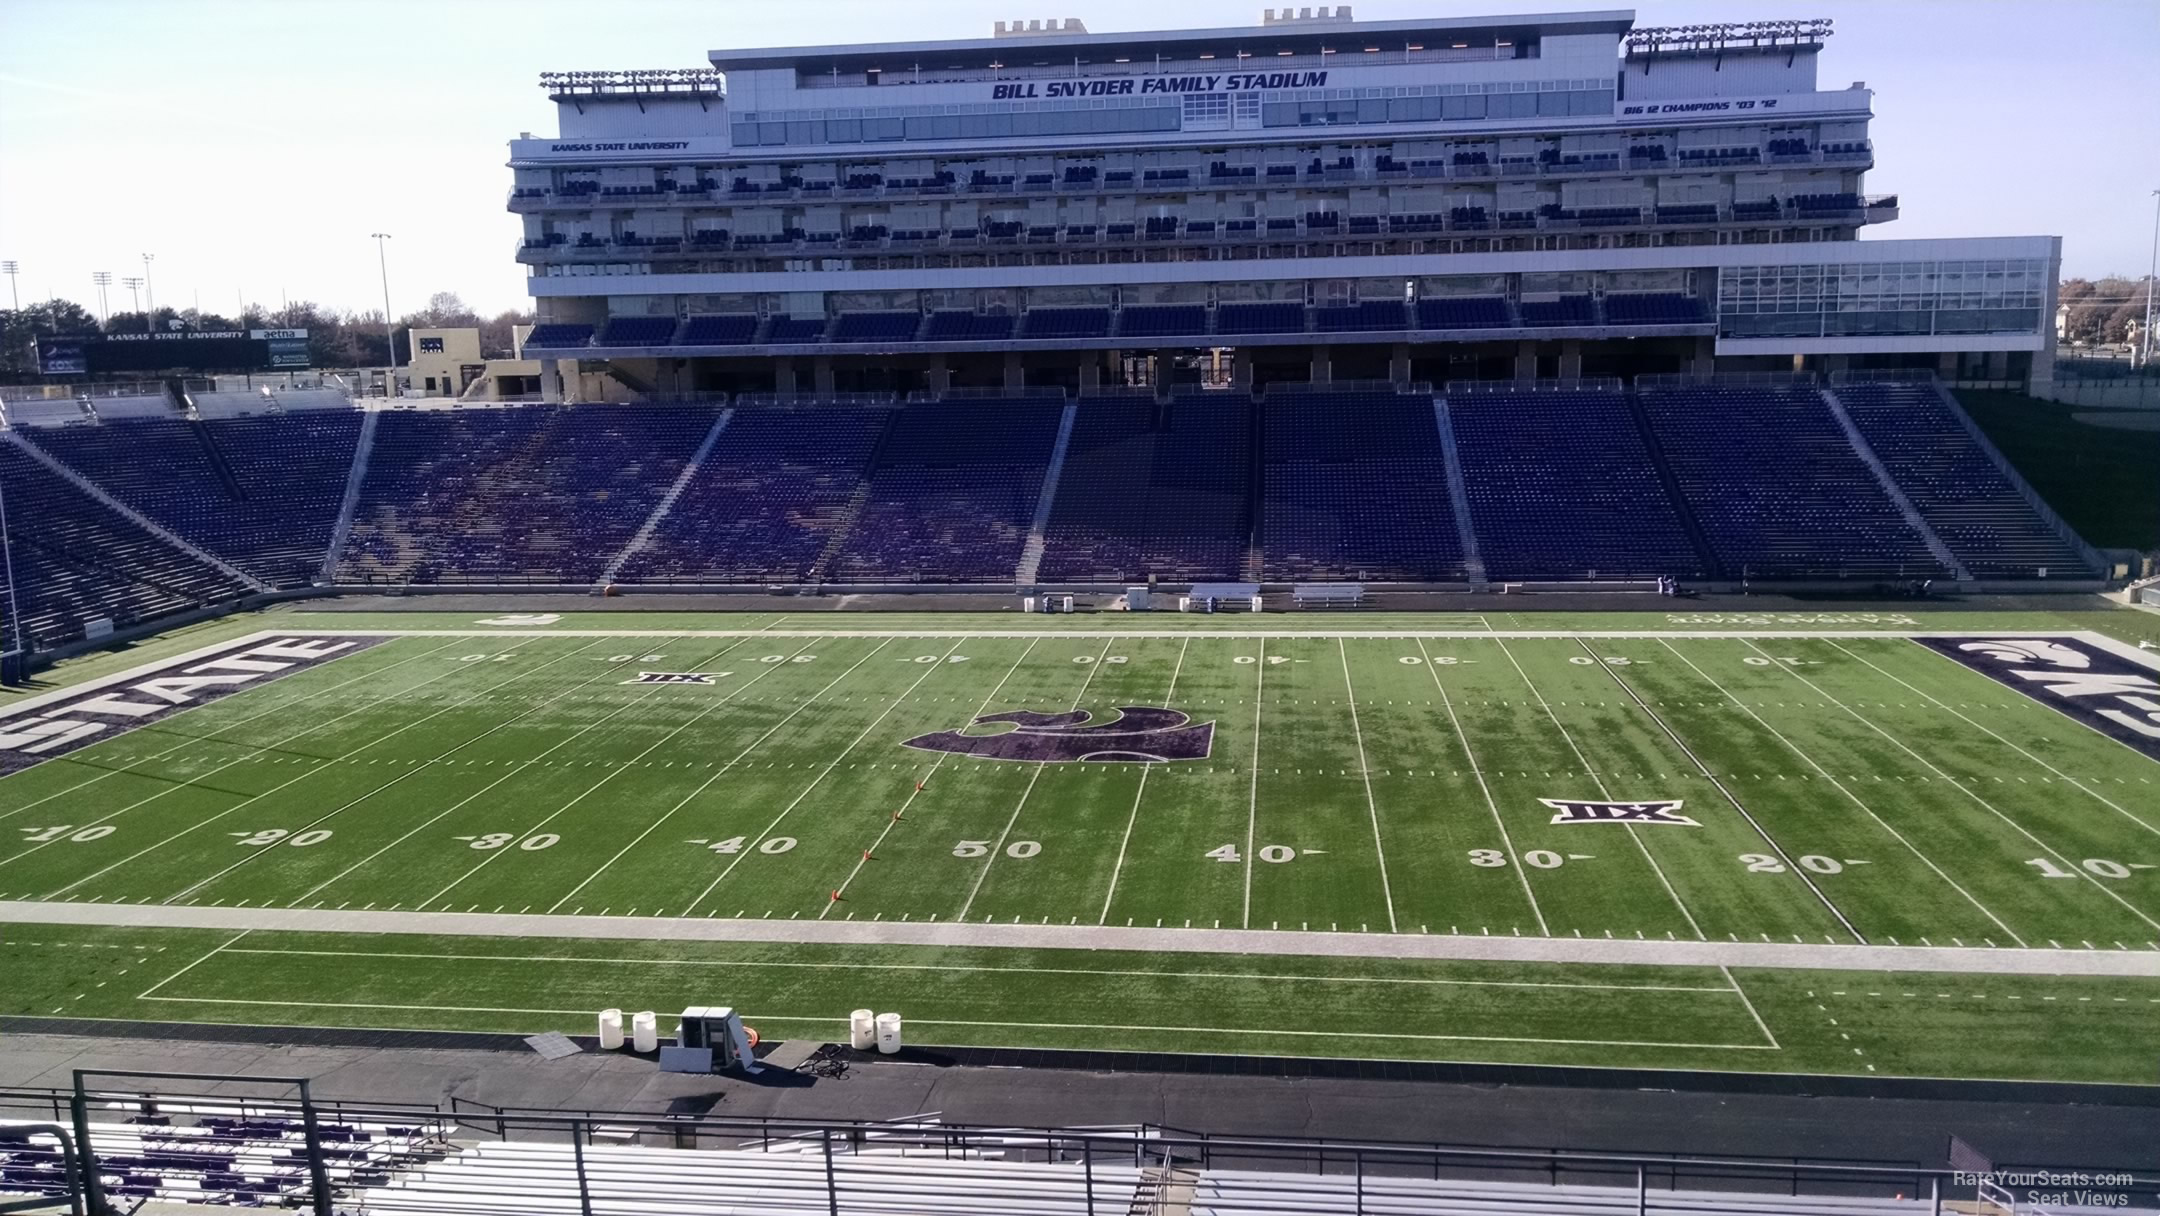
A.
x: 1561, y: 486
x: 1265, y: 317
x: 719, y: 329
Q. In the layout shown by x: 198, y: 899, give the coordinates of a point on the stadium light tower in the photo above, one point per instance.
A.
x: 382, y: 263
x: 103, y: 279
x: 149, y: 292
x: 2152, y: 278
x: 133, y: 284
x: 11, y: 269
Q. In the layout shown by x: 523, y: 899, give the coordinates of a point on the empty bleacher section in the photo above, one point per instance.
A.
x: 1464, y: 312
x: 75, y: 559
x: 961, y: 325
x: 775, y: 490
x: 1561, y: 486
x: 1161, y: 320
x: 1654, y: 308
x: 538, y: 494
x: 1955, y: 484
x: 635, y: 331
x: 723, y: 329
x: 876, y: 326
x: 1066, y: 323
x: 1271, y: 317
x: 1150, y: 489
x: 1558, y: 311
x: 1779, y: 491
x: 1355, y: 487
x: 558, y: 337
x: 951, y: 492
x: 260, y: 492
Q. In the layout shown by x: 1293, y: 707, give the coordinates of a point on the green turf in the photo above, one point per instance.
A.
x: 1634, y: 1017
x: 1845, y: 789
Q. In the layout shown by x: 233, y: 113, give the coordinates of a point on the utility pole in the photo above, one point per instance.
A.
x: 133, y: 284
x: 389, y: 338
x: 11, y: 269
x: 103, y: 279
x: 2152, y: 278
x: 149, y: 292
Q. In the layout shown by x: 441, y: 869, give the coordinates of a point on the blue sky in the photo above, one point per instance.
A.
x: 253, y: 145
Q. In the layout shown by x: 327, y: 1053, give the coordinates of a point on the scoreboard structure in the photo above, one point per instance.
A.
x: 221, y: 350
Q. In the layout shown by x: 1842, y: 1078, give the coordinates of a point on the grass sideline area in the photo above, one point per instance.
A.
x: 1366, y: 774
x: 1752, y: 1020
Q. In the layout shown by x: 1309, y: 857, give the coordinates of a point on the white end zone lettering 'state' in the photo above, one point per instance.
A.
x: 57, y: 723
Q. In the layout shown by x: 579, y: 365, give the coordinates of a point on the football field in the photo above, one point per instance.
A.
x: 1542, y: 791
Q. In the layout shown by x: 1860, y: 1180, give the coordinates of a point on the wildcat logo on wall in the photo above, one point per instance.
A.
x: 2111, y: 693
x: 1571, y: 810
x: 1138, y: 735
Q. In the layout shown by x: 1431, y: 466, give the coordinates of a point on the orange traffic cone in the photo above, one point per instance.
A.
x: 866, y: 855
x: 836, y: 896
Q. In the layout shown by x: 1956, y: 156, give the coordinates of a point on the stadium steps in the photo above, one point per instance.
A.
x: 137, y: 518
x: 1890, y: 487
x: 667, y: 501
x: 852, y: 514
x: 2061, y: 527
x: 1164, y: 1191
x: 1255, y: 479
x: 215, y: 456
x: 1459, y: 496
x: 362, y: 449
x: 1711, y: 567
x: 1031, y: 553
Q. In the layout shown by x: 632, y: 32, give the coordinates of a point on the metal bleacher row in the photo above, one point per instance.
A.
x: 134, y: 518
x: 1241, y: 319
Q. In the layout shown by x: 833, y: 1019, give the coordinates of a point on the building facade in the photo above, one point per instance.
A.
x: 1313, y: 197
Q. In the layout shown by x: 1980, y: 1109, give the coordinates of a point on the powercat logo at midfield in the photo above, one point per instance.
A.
x: 1574, y: 810
x: 57, y: 727
x: 2114, y: 695
x: 1138, y: 735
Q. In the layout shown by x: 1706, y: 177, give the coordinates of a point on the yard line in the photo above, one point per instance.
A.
x: 830, y: 766
x: 1252, y: 814
x: 1598, y: 781
x: 1737, y: 991
x: 1791, y: 867
x: 217, y: 735
x: 1855, y: 799
x: 722, y: 771
x: 1134, y: 818
x: 1961, y: 787
x: 1021, y: 805
x: 333, y: 812
x: 1117, y: 972
x: 1514, y: 859
x: 617, y: 771
x: 915, y: 793
x: 145, y: 993
x: 2111, y: 803
x: 305, y: 773
x: 1365, y: 771
x: 520, y: 767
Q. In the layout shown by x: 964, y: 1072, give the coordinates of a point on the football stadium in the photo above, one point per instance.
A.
x: 1429, y: 571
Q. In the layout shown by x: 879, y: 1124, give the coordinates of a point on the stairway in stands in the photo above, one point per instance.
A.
x: 667, y: 501
x: 1032, y: 552
x: 856, y: 502
x: 219, y: 466
x: 1255, y: 480
x: 1666, y: 478
x: 353, y: 481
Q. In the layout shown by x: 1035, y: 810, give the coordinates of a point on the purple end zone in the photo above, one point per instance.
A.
x: 2116, y: 696
x: 1138, y: 735
x: 112, y: 707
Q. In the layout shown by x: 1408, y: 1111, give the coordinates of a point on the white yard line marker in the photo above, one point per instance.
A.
x: 1962, y: 788
x: 717, y: 704
x: 302, y: 776
x: 1855, y: 799
x: 1596, y: 780
x: 1372, y: 808
x: 1515, y: 861
x: 827, y: 770
x: 217, y: 736
x: 1138, y: 793
x: 1252, y: 812
x: 417, y: 768
x: 2111, y: 803
x: 998, y: 847
x: 145, y: 993
x: 718, y: 773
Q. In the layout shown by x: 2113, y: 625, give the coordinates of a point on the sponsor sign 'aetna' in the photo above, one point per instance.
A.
x: 678, y: 677
x: 1574, y: 810
x: 58, y: 727
x: 1138, y: 735
x: 2117, y: 696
